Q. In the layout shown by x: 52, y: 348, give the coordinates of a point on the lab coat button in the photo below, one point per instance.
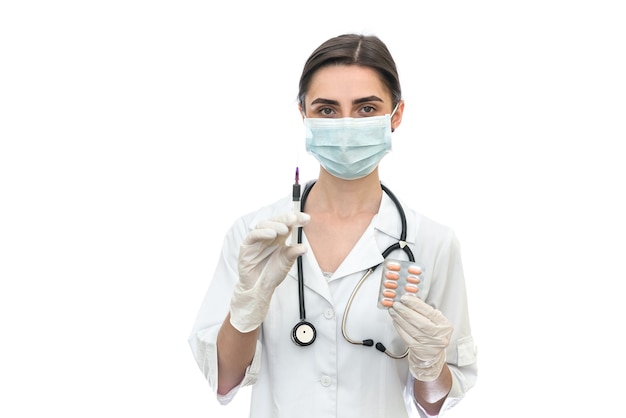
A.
x: 325, y: 381
x: 329, y: 313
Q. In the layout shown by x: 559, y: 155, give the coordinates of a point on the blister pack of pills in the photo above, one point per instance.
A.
x: 398, y: 277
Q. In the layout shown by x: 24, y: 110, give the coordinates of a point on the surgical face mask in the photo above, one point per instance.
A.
x: 349, y: 148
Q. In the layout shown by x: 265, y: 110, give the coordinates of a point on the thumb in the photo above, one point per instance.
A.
x: 292, y: 252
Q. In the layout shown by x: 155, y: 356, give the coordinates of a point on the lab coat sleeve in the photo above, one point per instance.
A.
x: 214, y: 309
x: 448, y: 294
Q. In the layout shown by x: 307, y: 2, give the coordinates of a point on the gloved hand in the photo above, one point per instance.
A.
x: 426, y: 332
x: 264, y: 261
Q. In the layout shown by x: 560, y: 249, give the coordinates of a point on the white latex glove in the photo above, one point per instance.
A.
x: 427, y: 334
x: 264, y: 261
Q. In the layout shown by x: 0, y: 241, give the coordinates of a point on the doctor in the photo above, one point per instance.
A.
x: 349, y: 88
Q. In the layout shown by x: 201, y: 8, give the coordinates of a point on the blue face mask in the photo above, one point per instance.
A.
x: 349, y: 148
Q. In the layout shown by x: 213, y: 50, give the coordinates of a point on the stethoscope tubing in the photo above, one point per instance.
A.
x: 303, y: 198
x: 401, y: 245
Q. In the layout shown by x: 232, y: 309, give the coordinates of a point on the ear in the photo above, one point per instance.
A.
x: 301, y: 110
x: 397, y: 117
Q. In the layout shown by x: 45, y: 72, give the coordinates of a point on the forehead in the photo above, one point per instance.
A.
x: 346, y: 82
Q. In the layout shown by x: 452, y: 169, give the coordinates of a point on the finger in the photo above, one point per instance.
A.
x: 415, y: 329
x: 296, y: 250
x: 260, y: 243
x: 302, y: 219
x: 413, y: 323
x: 416, y: 323
x: 424, y: 308
x: 259, y: 237
x: 414, y: 333
x: 417, y: 304
x: 400, y: 325
x: 280, y: 226
x: 291, y: 219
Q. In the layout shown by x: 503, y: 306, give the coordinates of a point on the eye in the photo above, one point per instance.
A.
x: 368, y: 109
x: 326, y: 111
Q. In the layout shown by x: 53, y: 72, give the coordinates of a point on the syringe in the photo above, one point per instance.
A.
x: 295, y: 195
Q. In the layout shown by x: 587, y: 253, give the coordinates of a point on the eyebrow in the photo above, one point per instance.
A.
x: 354, y: 102
x: 368, y: 99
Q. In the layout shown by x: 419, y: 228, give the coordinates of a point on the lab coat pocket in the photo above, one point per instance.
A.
x: 466, y: 351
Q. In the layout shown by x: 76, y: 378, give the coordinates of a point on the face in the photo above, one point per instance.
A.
x: 340, y: 91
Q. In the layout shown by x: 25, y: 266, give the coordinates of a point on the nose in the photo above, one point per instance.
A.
x: 344, y: 112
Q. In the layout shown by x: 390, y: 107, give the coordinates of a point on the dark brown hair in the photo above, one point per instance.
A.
x: 352, y: 49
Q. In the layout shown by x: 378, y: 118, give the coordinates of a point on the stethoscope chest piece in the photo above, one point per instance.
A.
x: 303, y: 333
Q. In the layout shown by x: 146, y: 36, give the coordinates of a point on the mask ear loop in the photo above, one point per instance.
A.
x: 393, y: 112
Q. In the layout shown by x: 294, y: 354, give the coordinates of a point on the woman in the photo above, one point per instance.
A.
x: 350, y: 100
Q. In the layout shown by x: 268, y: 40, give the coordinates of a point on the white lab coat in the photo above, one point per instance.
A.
x: 331, y: 377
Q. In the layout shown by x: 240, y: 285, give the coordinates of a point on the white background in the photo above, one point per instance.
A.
x: 133, y: 133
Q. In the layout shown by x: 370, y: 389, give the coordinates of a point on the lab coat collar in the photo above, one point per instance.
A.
x: 383, y: 231
x: 364, y: 255
x: 388, y: 221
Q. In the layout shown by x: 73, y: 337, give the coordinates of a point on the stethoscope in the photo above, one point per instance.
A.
x: 304, y: 333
